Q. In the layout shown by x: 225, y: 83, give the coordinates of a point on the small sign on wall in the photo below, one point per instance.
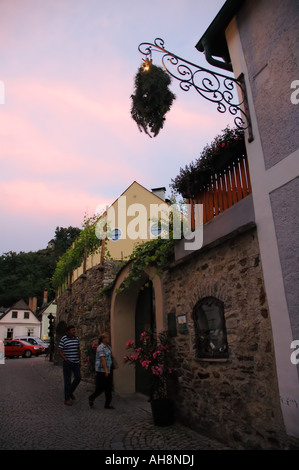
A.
x: 182, y: 323
x: 2, y: 354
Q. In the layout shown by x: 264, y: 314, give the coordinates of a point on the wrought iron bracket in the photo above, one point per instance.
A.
x: 228, y: 93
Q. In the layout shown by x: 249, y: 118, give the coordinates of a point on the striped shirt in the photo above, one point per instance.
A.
x: 70, y: 347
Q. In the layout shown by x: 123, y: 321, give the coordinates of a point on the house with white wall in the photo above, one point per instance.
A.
x: 19, y: 320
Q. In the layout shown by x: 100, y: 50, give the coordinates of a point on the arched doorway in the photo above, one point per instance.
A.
x: 129, y: 318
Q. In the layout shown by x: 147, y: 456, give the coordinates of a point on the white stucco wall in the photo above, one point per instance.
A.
x: 259, y: 46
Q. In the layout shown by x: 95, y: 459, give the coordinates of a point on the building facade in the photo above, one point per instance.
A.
x: 19, y: 320
x: 263, y: 43
x: 232, y: 304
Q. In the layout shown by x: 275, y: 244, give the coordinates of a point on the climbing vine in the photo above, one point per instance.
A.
x: 158, y: 252
x: 84, y: 245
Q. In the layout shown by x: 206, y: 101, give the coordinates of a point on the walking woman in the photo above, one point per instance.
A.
x: 104, y: 375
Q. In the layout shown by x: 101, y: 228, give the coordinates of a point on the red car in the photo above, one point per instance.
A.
x: 15, y: 347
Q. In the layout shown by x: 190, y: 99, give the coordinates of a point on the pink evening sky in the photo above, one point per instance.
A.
x: 68, y: 143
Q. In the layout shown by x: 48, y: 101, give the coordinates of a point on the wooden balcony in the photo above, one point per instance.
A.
x: 224, y: 188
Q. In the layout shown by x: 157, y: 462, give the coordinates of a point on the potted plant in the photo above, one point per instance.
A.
x: 190, y: 179
x: 152, y: 353
x: 90, y: 356
x: 223, y: 150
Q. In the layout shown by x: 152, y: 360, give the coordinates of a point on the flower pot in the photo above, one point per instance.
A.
x: 195, y: 182
x: 228, y: 155
x: 162, y: 411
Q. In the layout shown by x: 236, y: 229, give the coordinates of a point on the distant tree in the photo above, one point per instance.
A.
x: 64, y: 237
x: 26, y: 275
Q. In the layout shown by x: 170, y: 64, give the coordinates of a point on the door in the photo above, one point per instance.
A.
x: 144, y: 320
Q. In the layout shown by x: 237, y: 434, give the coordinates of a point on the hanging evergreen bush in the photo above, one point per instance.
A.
x: 152, y: 99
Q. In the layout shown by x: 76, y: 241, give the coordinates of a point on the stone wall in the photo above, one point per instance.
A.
x: 236, y: 400
x: 84, y: 307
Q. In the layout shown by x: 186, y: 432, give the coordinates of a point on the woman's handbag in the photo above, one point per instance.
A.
x: 114, y: 363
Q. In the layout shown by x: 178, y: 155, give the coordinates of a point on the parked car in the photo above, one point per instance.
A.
x: 34, y: 340
x: 16, y: 347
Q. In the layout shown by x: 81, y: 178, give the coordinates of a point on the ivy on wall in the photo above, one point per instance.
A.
x: 158, y: 252
x: 84, y: 245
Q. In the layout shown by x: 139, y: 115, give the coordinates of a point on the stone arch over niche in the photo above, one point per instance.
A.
x: 122, y: 317
x: 210, y: 329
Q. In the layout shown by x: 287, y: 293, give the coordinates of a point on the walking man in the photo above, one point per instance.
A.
x: 69, y: 350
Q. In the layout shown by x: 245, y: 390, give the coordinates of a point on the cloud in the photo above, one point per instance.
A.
x: 68, y: 141
x: 42, y: 201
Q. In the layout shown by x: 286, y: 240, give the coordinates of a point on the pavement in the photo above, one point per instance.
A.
x: 34, y: 417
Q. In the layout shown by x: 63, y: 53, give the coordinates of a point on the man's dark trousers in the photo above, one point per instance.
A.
x: 70, y: 368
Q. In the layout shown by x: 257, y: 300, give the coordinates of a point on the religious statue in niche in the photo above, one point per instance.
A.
x: 211, y: 341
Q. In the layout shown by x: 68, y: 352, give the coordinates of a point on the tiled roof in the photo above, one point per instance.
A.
x: 20, y: 305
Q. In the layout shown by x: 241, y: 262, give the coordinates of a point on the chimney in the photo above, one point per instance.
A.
x: 32, y: 304
x: 160, y: 192
x: 45, y: 298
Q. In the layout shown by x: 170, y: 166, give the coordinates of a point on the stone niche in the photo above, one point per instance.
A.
x: 234, y: 399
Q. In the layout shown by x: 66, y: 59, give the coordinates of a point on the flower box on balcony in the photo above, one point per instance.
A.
x: 225, y: 149
x: 228, y: 154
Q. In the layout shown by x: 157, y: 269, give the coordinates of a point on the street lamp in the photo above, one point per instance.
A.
x: 51, y: 334
x: 213, y: 86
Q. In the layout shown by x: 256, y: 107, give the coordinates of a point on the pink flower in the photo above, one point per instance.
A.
x: 157, y: 370
x: 135, y: 356
x: 156, y: 353
x: 130, y: 343
x: 145, y: 364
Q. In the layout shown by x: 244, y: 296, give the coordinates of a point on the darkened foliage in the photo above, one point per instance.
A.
x: 26, y: 275
x: 64, y: 237
x: 152, y: 99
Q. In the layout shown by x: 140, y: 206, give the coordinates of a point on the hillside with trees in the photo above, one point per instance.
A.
x: 24, y: 275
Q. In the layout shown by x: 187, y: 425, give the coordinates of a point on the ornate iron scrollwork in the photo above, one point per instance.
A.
x: 213, y: 86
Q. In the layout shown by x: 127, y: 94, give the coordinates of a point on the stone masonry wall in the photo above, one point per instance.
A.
x: 82, y: 306
x: 235, y: 401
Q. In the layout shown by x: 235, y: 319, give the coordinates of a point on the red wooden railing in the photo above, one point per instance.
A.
x: 225, y: 188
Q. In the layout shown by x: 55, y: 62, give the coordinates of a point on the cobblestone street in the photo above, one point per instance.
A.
x: 34, y: 417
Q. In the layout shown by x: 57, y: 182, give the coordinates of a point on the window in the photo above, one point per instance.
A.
x: 30, y: 332
x: 26, y: 315
x: 9, y: 333
x: 210, y: 331
x: 156, y: 229
x: 14, y: 315
x: 115, y: 234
